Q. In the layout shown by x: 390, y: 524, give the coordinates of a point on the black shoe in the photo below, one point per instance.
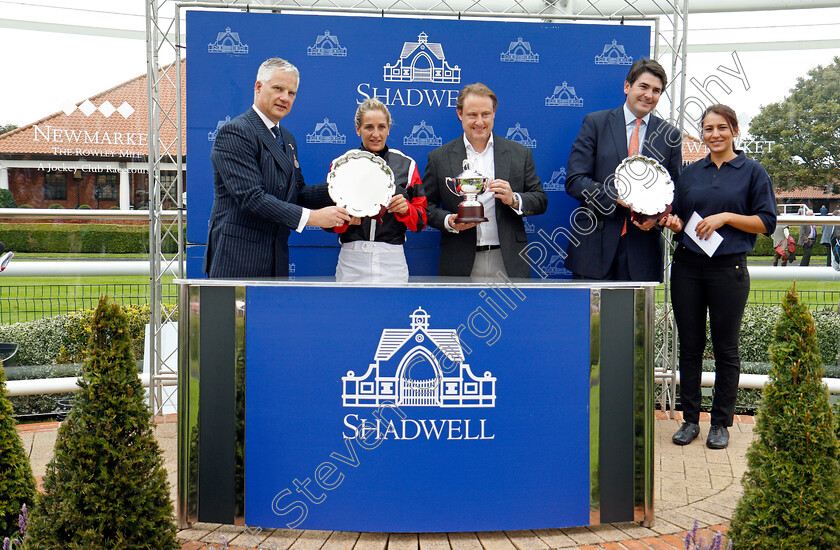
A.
x: 687, y: 433
x: 718, y: 437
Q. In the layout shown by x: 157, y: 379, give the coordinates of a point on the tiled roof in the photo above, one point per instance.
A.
x: 807, y: 193
x: 693, y: 149
x: 113, y: 123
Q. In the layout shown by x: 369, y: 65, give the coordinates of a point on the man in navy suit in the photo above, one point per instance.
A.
x: 482, y: 250
x: 259, y: 192
x: 608, y: 245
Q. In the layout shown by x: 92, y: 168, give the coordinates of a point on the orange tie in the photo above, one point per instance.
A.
x: 634, y: 140
x: 633, y: 149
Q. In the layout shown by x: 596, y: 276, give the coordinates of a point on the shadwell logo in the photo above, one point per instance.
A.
x: 327, y: 45
x: 422, y: 61
x: 614, y: 54
x: 228, y: 42
x: 419, y: 366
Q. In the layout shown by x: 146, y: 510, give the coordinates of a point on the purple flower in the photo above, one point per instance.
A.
x: 6, y: 543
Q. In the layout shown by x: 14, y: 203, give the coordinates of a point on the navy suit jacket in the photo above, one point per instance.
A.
x: 513, y: 163
x: 258, y: 190
x: 599, y: 148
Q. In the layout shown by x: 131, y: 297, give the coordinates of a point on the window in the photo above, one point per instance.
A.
x: 107, y: 187
x: 55, y: 186
x: 168, y: 190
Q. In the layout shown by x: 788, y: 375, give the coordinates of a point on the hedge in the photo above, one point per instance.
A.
x: 7, y: 200
x: 757, y: 333
x: 764, y: 244
x: 81, y: 238
x: 64, y: 338
x: 756, y: 336
x: 54, y: 343
x: 749, y: 398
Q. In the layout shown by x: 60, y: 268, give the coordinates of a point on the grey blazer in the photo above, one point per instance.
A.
x: 258, y: 190
x: 513, y: 163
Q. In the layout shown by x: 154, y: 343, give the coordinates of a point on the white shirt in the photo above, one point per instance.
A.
x: 304, y: 215
x: 630, y: 124
x: 484, y: 164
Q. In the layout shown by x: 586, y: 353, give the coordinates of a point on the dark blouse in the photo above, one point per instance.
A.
x: 740, y: 186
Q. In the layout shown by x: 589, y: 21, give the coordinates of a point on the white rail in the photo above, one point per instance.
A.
x: 793, y: 273
x: 60, y: 385
x: 82, y: 268
x: 758, y: 381
x: 83, y: 214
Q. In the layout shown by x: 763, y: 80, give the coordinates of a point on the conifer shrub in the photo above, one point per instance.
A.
x: 792, y: 485
x: 17, y: 485
x: 106, y: 485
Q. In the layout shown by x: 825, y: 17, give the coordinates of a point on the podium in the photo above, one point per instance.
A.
x: 438, y: 405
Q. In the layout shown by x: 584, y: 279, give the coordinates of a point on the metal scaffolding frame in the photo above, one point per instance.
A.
x: 166, y: 123
x: 165, y: 147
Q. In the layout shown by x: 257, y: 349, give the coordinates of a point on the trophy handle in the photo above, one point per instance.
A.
x: 452, y: 189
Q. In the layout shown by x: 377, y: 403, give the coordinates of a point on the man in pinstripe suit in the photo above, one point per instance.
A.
x: 260, y: 195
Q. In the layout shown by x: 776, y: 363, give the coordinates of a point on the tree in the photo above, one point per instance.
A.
x: 804, y: 127
x: 792, y: 486
x: 106, y: 486
x: 7, y: 128
x: 17, y: 485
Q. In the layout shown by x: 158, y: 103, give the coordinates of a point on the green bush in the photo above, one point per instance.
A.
x: 757, y: 333
x: 791, y: 493
x: 749, y: 399
x: 764, y: 244
x: 17, y: 485
x: 55, y: 205
x: 7, y: 200
x: 45, y: 403
x: 83, y: 207
x: 63, y: 338
x: 87, y: 238
x: 106, y: 485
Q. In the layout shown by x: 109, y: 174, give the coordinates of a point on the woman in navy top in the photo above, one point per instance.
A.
x: 734, y: 197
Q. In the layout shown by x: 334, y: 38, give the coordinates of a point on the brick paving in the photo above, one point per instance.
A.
x: 691, y: 482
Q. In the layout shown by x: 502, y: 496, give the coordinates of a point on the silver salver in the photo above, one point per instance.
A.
x: 361, y: 182
x: 645, y: 186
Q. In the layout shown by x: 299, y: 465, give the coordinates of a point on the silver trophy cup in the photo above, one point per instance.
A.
x: 469, y: 184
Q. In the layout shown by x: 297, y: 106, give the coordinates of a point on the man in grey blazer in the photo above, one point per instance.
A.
x: 610, y: 245
x: 259, y: 192
x: 482, y: 250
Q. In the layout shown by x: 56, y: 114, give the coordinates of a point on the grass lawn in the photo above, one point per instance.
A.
x: 816, y: 293
x: 30, y: 298
x: 27, y: 298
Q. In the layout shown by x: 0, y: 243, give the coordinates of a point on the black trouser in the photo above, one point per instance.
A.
x: 720, y: 285
x: 807, y: 248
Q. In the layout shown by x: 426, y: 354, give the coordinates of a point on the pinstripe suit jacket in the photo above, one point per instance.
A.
x: 258, y: 190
